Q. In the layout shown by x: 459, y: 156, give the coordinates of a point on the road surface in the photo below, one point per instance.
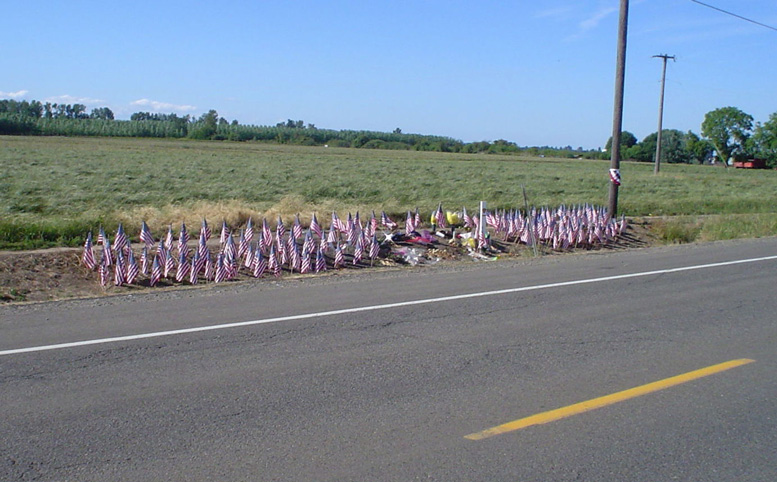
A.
x: 409, y: 375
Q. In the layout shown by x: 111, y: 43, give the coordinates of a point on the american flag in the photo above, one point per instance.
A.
x: 103, y: 273
x: 339, y: 258
x: 169, y: 263
x: 145, y: 235
x: 358, y: 251
x: 439, y: 217
x: 183, y: 268
x: 332, y: 236
x: 132, y: 268
x: 266, y: 235
x: 249, y: 233
x: 294, y: 256
x: 305, y: 263
x: 320, y: 261
x: 417, y: 220
x: 280, y: 229
x: 386, y: 221
x: 467, y: 219
x: 169, y: 238
x: 259, y: 264
x: 221, y: 268
x: 273, y: 264
x: 374, y: 248
x: 204, y: 229
x: 118, y: 270
x: 337, y: 223
x: 409, y: 223
x: 249, y: 257
x: 193, y: 272
x: 144, y: 260
x: 209, y: 268
x: 296, y: 229
x: 88, y: 256
x: 156, y: 270
x: 242, y: 246
x: 107, y: 256
x: 373, y: 224
x: 183, y: 241
x: 316, y: 228
x: 308, y: 243
x: 198, y: 262
x: 101, y: 237
x: 224, y: 232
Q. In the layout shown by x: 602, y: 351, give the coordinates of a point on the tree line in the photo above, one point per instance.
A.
x: 727, y: 135
x: 36, y: 118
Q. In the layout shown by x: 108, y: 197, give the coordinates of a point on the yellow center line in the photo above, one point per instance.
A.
x: 568, y: 411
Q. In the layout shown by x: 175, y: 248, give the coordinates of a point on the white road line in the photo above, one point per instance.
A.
x: 376, y: 307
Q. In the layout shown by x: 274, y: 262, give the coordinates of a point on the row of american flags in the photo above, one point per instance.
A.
x: 258, y: 250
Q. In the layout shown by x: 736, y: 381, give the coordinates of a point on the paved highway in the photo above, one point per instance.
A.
x: 417, y: 374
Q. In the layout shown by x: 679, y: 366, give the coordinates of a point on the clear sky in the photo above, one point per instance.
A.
x: 536, y: 73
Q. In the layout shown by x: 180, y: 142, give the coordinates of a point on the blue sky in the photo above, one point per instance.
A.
x: 536, y: 73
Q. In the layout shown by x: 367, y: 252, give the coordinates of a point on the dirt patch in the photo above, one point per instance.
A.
x: 55, y: 274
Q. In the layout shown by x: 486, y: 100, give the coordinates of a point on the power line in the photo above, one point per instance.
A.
x: 734, y: 15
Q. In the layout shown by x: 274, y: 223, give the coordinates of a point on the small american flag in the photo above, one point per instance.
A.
x: 386, y: 221
x: 156, y: 271
x: 439, y: 217
x: 205, y: 230
x: 409, y: 223
x: 315, y: 227
x: 192, y: 271
x: 259, y: 264
x: 169, y: 263
x: 280, y: 229
x: 249, y: 233
x: 144, y: 260
x: 183, y: 268
x: 107, y: 256
x: 339, y: 258
x: 358, y: 251
x: 467, y: 219
x: 88, y: 256
x: 145, y: 235
x: 224, y: 232
x: 374, y: 248
x: 103, y: 273
x: 132, y: 269
x: 101, y: 237
x: 221, y: 269
x: 183, y: 240
x: 320, y: 261
x: 296, y: 229
x: 305, y: 263
x: 118, y: 270
x: 169, y: 238
x: 266, y: 235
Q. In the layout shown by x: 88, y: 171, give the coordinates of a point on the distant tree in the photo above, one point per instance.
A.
x: 699, y: 150
x: 397, y: 131
x: 765, y: 140
x: 728, y: 129
x: 627, y: 140
x: 101, y: 113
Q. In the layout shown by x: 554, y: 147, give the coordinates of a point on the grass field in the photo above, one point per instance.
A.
x: 54, y: 189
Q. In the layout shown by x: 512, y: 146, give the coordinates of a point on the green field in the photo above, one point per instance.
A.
x: 54, y: 189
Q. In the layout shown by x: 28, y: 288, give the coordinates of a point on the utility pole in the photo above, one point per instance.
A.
x: 660, y: 112
x: 617, y: 118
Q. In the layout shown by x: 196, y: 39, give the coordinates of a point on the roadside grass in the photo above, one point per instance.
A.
x: 689, y: 229
x: 55, y: 189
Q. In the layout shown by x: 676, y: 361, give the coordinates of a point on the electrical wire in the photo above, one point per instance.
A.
x: 734, y: 15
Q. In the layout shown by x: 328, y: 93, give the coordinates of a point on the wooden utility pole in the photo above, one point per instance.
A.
x: 660, y: 112
x: 617, y: 118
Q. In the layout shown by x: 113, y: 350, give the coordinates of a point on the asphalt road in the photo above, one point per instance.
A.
x: 378, y: 389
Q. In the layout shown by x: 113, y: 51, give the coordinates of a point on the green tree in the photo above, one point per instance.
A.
x: 765, y: 140
x: 698, y: 149
x: 728, y: 130
x: 627, y: 140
